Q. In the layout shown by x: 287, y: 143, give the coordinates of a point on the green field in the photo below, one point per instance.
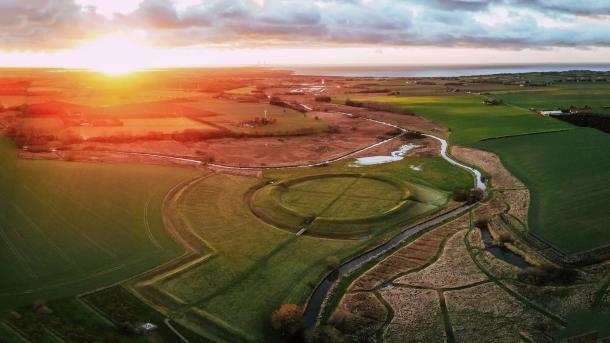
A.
x: 469, y: 120
x: 229, y: 114
x: 568, y: 174
x: 254, y: 267
x: 344, y: 205
x: 562, y: 96
x: 70, y: 227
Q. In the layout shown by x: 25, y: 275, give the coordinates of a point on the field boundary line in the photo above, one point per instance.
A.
x: 20, y: 334
x: 526, y: 134
x: 167, y: 322
x: 95, y: 311
x: 149, y: 233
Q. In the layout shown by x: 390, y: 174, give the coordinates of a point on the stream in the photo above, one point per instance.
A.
x: 502, y: 253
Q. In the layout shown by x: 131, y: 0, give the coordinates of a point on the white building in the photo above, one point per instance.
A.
x: 551, y: 113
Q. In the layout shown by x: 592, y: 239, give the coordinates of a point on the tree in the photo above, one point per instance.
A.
x: 288, y: 320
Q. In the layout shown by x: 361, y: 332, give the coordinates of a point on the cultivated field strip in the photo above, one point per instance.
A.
x: 415, y: 255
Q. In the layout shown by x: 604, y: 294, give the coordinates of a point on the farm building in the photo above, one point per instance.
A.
x: 551, y: 112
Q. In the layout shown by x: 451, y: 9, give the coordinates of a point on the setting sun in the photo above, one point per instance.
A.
x: 115, y: 55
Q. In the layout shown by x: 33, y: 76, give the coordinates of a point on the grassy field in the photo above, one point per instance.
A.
x: 229, y: 114
x: 242, y: 90
x: 568, y: 174
x: 344, y: 205
x: 70, y: 227
x: 254, y: 267
x: 563, y: 96
x: 469, y: 120
x: 137, y: 127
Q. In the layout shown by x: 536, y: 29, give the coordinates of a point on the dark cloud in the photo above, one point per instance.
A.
x: 493, y: 23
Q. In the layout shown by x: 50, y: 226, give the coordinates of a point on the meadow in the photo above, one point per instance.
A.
x: 141, y: 127
x: 70, y: 227
x: 568, y: 174
x: 468, y: 119
x: 229, y: 114
x: 594, y: 95
x: 254, y: 267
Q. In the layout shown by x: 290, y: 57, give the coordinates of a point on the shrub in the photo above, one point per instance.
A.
x: 548, y: 274
x: 481, y: 223
x: 413, y: 135
x: 288, y: 320
x: 505, y: 237
x: 326, y: 334
x: 470, y: 197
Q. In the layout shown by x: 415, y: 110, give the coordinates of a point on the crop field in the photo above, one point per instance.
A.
x: 242, y: 90
x: 229, y: 114
x: 136, y: 127
x: 469, y: 120
x: 70, y: 227
x: 562, y: 96
x: 568, y: 174
x: 253, y: 267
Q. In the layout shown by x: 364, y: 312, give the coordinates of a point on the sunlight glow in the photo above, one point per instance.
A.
x: 115, y: 55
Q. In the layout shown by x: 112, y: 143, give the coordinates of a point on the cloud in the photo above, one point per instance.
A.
x: 46, y: 24
x: 247, y: 23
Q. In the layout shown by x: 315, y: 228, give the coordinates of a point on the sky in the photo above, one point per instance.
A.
x: 131, y: 34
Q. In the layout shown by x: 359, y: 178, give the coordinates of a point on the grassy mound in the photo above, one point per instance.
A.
x: 348, y: 205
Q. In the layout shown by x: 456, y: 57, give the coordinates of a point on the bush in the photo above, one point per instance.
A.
x: 326, y: 334
x: 548, y: 274
x: 470, y: 197
x: 413, y: 135
x: 481, y: 223
x: 288, y: 320
x: 505, y: 237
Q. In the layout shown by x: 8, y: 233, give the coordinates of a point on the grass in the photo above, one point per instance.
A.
x: 70, y: 227
x: 568, y: 174
x: 563, y: 96
x: 136, y: 127
x: 229, y: 114
x: 344, y: 205
x: 469, y: 120
x: 583, y: 323
x: 256, y: 267
x: 242, y: 90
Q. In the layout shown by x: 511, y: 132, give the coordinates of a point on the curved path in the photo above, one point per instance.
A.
x: 479, y: 182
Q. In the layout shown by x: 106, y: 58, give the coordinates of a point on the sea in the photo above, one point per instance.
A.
x: 439, y: 70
